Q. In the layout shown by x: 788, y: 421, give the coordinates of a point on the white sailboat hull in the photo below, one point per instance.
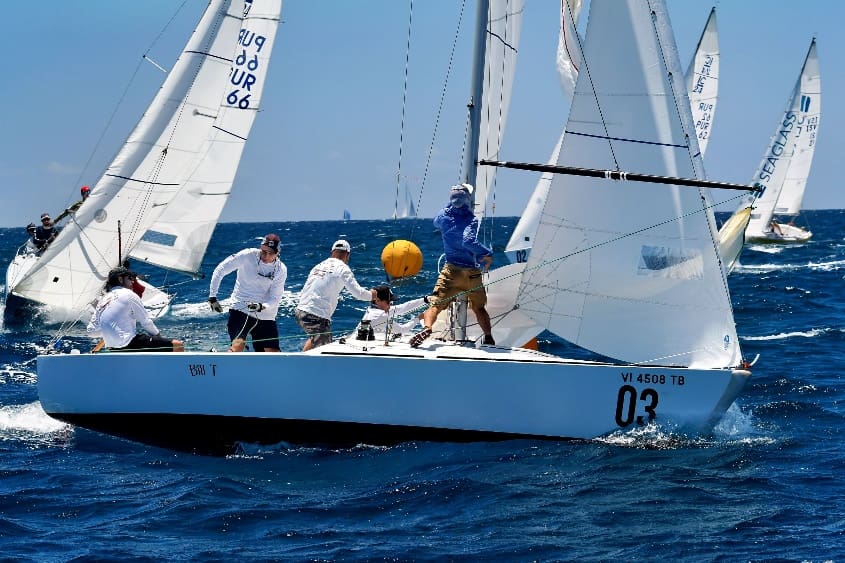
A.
x: 156, y: 301
x: 367, y: 392
x: 20, y: 265
x: 789, y: 234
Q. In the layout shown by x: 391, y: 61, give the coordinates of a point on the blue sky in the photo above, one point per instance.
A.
x: 328, y: 135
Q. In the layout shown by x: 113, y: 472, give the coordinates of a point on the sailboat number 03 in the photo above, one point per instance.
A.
x: 626, y: 405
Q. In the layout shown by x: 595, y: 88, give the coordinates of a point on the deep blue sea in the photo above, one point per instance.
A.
x: 767, y: 485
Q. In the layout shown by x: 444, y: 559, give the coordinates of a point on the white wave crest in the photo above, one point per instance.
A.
x: 28, y: 419
x: 784, y: 335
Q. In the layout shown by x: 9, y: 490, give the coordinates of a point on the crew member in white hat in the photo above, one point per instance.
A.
x: 318, y: 298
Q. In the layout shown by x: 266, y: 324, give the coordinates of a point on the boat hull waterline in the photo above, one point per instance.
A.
x: 344, y: 394
x: 789, y: 234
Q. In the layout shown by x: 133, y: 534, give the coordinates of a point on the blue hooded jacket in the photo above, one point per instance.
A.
x: 459, y: 228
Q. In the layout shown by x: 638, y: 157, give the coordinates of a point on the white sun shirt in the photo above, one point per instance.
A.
x: 321, y: 290
x: 115, y: 316
x: 257, y: 282
x: 379, y: 318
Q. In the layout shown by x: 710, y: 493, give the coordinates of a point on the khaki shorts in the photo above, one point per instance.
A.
x: 455, y: 280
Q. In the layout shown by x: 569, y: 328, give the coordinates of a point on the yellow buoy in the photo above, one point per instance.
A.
x: 401, y: 258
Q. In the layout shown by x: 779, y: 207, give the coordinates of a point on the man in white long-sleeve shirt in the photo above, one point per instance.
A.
x: 116, y: 314
x: 319, y: 295
x: 382, y: 314
x: 258, y: 291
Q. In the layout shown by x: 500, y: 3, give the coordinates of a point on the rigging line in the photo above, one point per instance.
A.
x: 695, y: 160
x: 506, y: 48
x: 595, y: 94
x: 404, y: 103
x: 159, y: 165
x: 125, y: 91
x: 564, y: 12
x: 549, y: 262
x: 440, y: 107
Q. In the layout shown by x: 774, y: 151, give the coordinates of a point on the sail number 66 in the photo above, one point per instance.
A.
x: 626, y: 405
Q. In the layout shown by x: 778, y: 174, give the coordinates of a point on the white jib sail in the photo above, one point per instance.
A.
x: 504, y: 22
x: 807, y: 129
x: 158, y: 159
x: 178, y: 240
x: 522, y: 238
x: 628, y: 269
x: 775, y: 167
x: 703, y: 81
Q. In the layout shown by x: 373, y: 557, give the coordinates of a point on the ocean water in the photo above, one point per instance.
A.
x: 766, y: 485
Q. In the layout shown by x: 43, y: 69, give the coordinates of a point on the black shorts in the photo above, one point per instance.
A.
x: 265, y: 334
x: 147, y: 343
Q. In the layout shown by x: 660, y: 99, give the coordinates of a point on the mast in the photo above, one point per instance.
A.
x: 476, y: 93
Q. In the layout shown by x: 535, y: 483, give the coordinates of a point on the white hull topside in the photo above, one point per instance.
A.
x: 789, y: 234
x: 366, y: 392
x: 156, y: 301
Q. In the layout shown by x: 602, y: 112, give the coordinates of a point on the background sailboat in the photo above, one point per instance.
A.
x: 809, y: 118
x: 703, y: 81
x: 792, y: 144
x: 167, y: 185
x: 408, y: 209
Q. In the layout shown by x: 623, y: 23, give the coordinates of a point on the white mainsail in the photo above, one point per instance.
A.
x: 501, y: 44
x: 179, y: 238
x: 626, y: 269
x: 703, y: 81
x: 185, y: 147
x: 807, y: 129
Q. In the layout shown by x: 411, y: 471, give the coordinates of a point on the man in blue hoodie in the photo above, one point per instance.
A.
x: 466, y: 258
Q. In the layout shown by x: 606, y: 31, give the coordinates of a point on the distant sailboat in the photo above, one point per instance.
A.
x: 407, y: 209
x: 346, y: 215
x: 703, y: 81
x: 160, y: 198
x: 782, y: 172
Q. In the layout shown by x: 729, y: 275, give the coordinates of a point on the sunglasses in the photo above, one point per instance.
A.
x: 267, y: 252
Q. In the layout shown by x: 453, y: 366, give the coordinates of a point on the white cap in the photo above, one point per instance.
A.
x: 341, y: 245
